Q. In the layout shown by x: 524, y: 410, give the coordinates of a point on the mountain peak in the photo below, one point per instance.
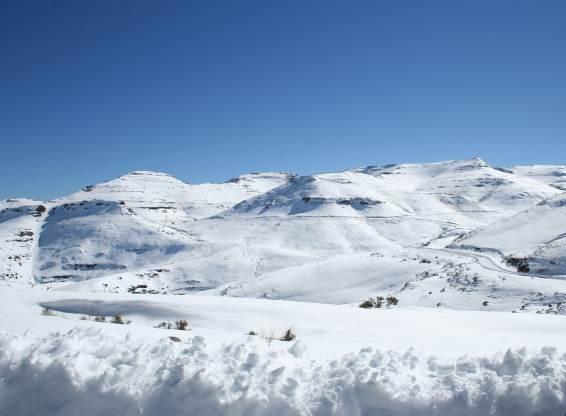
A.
x: 146, y: 174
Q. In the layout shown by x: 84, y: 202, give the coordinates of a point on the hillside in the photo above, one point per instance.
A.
x: 403, y: 230
x: 537, y: 235
x: 146, y: 294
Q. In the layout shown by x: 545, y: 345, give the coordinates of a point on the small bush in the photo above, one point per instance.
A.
x: 47, y: 312
x: 100, y: 319
x: 181, y: 325
x: 40, y: 209
x: 392, y: 301
x: 289, y: 336
x: 367, y: 304
x: 252, y: 333
x: 376, y: 302
x: 117, y: 319
x: 485, y: 303
x: 520, y: 263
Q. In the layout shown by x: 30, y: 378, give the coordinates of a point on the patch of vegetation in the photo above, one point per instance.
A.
x: 141, y: 289
x: 521, y: 263
x: 181, y: 325
x: 378, y: 302
x: 368, y: 304
x: 117, y: 319
x: 47, y: 312
x: 392, y: 301
x: 288, y: 336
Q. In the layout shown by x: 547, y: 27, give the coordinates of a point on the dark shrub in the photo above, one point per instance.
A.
x: 181, y: 325
x: 376, y: 302
x: 520, y: 263
x: 367, y: 304
x: 392, y: 301
x: 289, y: 336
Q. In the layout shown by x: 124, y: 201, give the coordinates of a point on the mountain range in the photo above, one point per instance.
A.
x: 457, y: 234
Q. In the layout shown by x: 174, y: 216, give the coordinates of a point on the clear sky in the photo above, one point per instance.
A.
x: 207, y: 90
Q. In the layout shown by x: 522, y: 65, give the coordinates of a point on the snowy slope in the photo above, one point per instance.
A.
x: 469, y: 187
x: 20, y: 222
x: 344, y: 361
x: 465, y: 182
x: 549, y: 174
x: 332, y: 237
x: 443, y: 198
x: 538, y: 234
x: 93, y: 238
x: 263, y: 253
x: 133, y: 221
x: 163, y: 198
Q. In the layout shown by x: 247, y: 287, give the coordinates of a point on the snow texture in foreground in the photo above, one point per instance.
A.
x: 88, y: 372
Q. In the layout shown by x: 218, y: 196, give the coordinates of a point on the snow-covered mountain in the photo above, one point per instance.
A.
x: 432, y: 234
x: 470, y: 257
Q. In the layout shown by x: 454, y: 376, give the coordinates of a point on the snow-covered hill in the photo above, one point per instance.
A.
x: 470, y: 258
x: 550, y: 174
x: 20, y: 223
x: 403, y: 230
x: 536, y: 237
x: 165, y: 199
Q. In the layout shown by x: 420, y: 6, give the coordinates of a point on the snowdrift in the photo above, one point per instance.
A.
x: 87, y: 372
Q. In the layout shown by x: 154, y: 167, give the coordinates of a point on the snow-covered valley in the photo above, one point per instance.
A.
x: 468, y: 260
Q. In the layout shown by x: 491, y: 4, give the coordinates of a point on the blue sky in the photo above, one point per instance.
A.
x: 206, y: 90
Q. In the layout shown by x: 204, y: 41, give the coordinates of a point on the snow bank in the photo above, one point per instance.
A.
x: 86, y: 371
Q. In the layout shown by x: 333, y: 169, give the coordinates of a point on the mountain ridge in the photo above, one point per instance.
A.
x: 403, y: 229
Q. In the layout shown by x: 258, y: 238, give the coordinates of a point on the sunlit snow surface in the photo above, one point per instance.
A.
x: 347, y: 361
x: 264, y: 252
